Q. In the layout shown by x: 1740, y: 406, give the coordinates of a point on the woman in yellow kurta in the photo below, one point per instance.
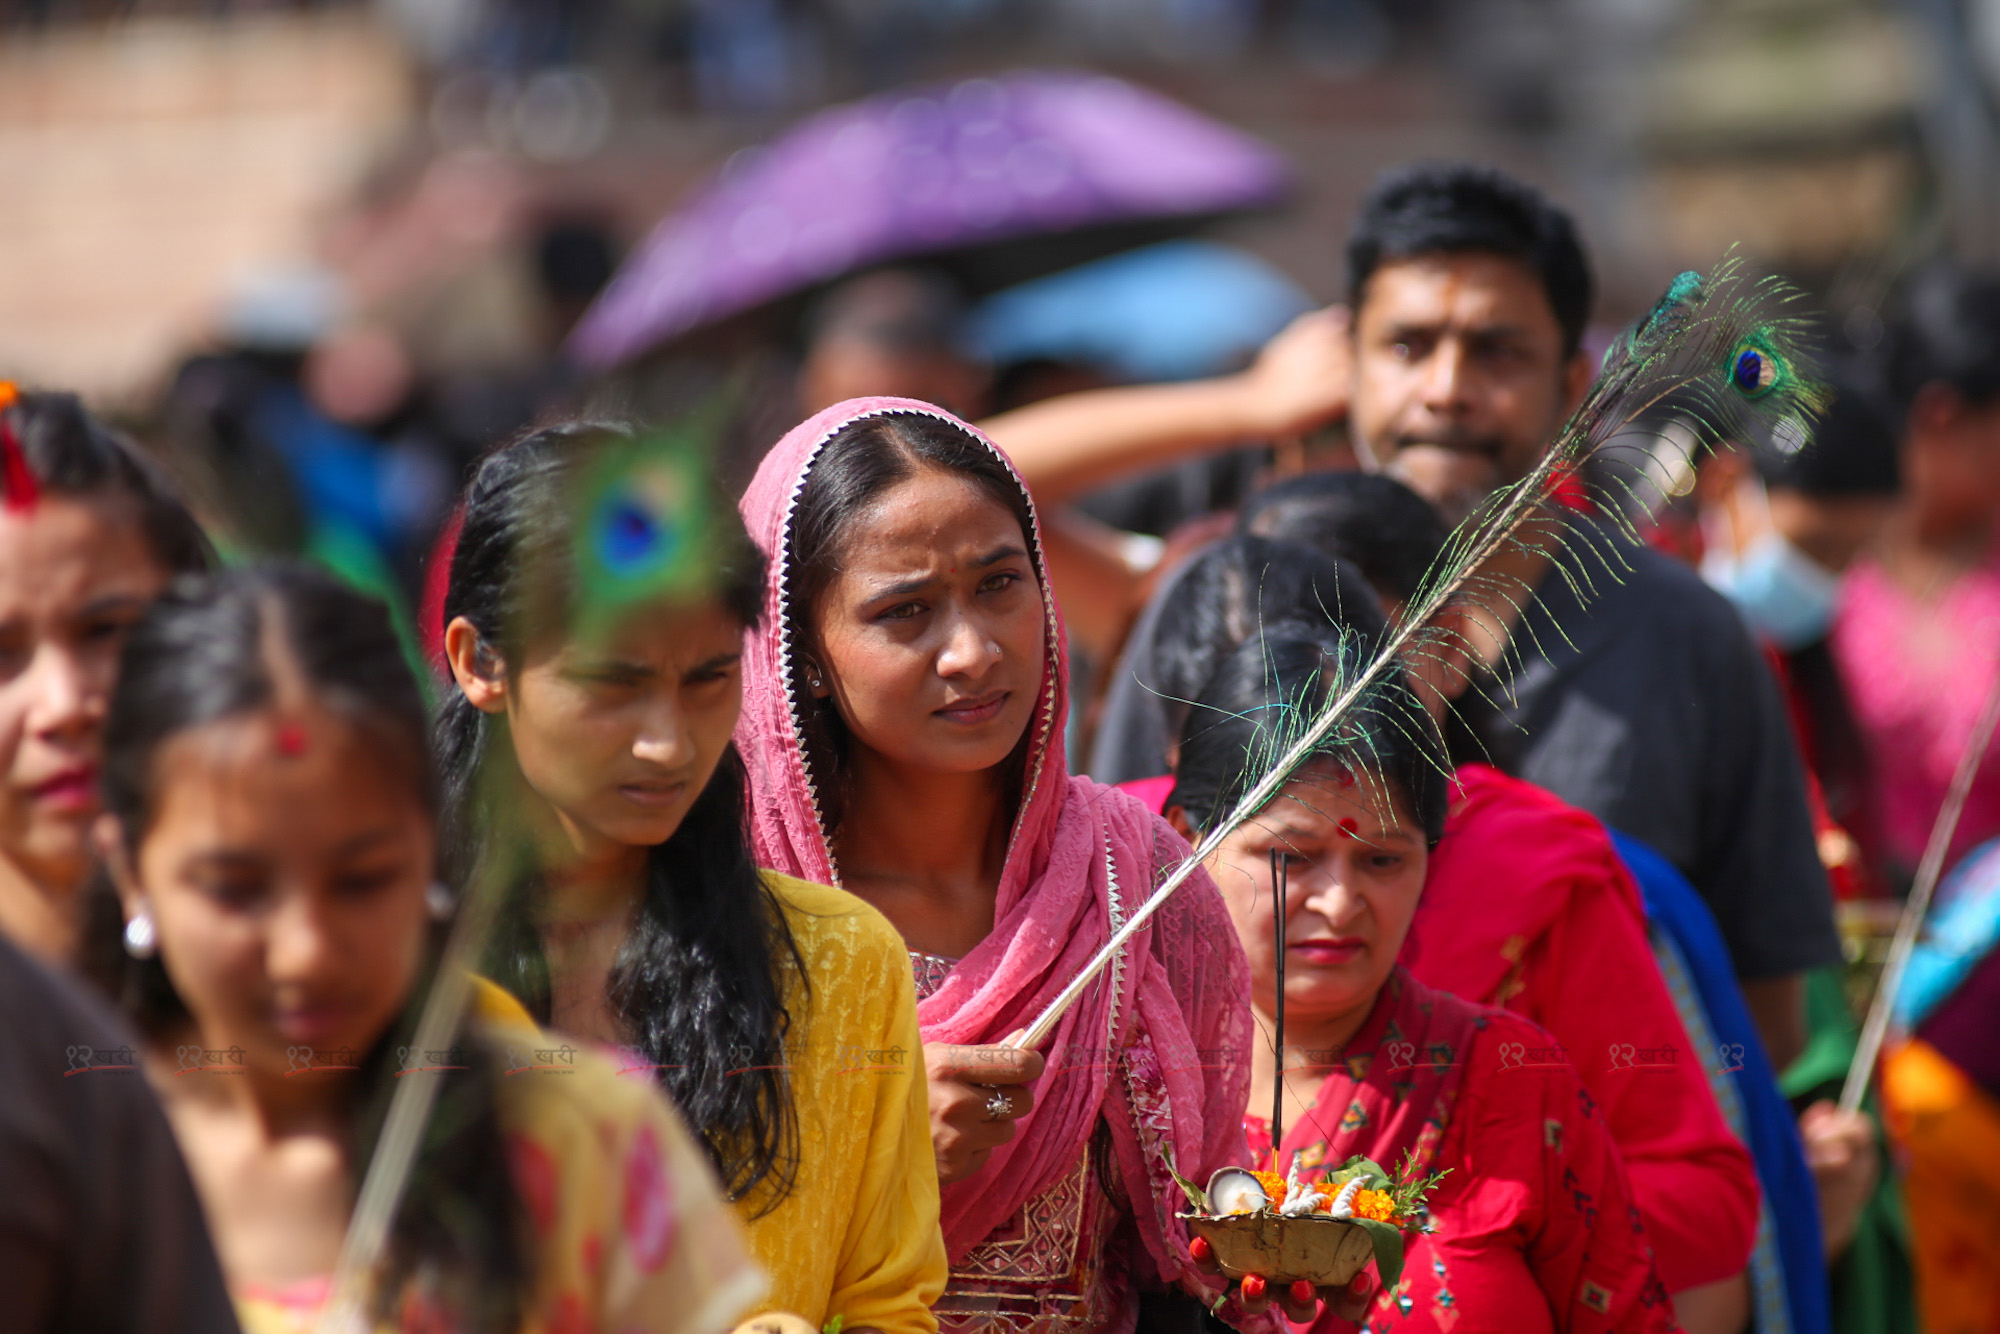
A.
x: 266, y: 774
x: 598, y: 600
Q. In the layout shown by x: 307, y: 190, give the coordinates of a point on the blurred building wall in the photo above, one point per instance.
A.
x: 148, y: 167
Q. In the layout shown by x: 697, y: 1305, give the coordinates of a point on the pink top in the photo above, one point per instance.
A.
x: 1917, y: 674
x: 1156, y: 1051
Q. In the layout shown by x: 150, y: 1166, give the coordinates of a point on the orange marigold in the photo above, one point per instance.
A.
x: 1375, y: 1204
x: 1274, y: 1186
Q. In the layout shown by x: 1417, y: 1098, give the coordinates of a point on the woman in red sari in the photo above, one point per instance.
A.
x: 1526, y: 904
x: 1534, y: 1222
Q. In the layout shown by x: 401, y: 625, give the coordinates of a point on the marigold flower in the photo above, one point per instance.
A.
x: 1376, y: 1204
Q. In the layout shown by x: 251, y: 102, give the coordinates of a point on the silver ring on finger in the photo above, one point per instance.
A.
x: 999, y: 1105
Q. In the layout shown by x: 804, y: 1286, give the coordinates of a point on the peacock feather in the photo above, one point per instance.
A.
x: 643, y: 525
x: 1725, y: 351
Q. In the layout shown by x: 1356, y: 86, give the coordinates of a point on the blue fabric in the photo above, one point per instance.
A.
x: 338, y: 472
x: 1171, y: 311
x: 1790, y: 1198
x: 1963, y: 926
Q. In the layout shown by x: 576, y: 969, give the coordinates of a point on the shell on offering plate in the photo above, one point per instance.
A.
x: 1234, y: 1191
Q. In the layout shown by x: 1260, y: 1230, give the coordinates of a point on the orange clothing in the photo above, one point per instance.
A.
x: 1950, y: 1130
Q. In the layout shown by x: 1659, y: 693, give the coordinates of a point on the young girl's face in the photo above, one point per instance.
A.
x: 1354, y: 869
x: 285, y: 871
x: 932, y: 638
x: 74, y: 576
x: 621, y: 736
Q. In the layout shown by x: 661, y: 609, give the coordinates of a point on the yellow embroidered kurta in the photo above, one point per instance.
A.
x: 858, y: 1236
x: 630, y: 1231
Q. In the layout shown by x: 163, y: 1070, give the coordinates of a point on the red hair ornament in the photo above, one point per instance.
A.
x: 22, y: 490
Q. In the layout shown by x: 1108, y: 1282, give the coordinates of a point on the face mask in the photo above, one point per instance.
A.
x: 1786, y: 595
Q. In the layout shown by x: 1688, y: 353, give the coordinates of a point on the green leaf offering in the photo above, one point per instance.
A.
x: 1388, y: 1241
x: 1197, y: 1197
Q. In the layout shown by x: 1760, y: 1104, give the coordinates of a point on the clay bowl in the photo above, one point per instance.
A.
x: 1327, y: 1252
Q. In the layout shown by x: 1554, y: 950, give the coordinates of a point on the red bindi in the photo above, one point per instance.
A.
x: 1349, y: 829
x: 291, y: 739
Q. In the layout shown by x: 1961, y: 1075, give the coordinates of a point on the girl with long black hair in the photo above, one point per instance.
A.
x: 271, y: 823
x: 588, y: 763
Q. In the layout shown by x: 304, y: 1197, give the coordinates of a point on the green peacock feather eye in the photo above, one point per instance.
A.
x: 642, y: 529
x: 1755, y: 367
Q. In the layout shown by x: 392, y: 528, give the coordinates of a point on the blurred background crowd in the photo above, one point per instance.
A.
x: 392, y: 215
x: 319, y: 256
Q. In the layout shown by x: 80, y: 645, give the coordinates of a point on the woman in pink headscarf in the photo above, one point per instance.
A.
x: 903, y: 716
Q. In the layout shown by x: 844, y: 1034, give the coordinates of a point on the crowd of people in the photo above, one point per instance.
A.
x: 762, y: 833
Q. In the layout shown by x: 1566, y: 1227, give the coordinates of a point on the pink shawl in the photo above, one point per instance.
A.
x: 1158, y: 1048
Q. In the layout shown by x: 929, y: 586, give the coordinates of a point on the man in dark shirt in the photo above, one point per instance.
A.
x: 1455, y: 366
x: 1645, y: 702
x: 1646, y: 705
x: 100, y: 1229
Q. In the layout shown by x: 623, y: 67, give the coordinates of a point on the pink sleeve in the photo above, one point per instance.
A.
x: 1209, y: 978
x: 1601, y: 994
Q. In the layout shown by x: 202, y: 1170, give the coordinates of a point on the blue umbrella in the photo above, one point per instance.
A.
x: 1171, y: 311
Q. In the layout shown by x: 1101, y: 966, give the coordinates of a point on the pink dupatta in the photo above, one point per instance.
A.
x: 1158, y: 1048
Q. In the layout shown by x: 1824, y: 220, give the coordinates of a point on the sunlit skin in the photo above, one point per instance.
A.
x: 74, y: 576
x: 1461, y: 351
x: 615, y: 740
x: 286, y: 887
x: 1354, y: 871
x: 931, y: 642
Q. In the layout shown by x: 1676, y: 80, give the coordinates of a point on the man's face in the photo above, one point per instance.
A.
x: 1459, y: 365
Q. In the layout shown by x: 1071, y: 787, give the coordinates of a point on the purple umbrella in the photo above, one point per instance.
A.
x: 956, y: 169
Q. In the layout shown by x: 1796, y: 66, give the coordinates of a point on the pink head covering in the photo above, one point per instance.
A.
x: 1157, y: 1049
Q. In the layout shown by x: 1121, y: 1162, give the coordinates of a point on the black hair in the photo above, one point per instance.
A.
x: 204, y: 652
x: 700, y: 984
x: 1229, y: 591
x: 68, y: 452
x: 1854, y: 449
x: 1255, y: 704
x: 908, y: 309
x: 1446, y: 208
x: 1945, y: 329
x: 1389, y: 531
x: 863, y: 460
